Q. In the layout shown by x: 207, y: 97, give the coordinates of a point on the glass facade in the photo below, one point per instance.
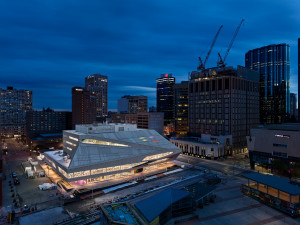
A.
x: 97, y: 84
x: 298, y: 77
x: 164, y: 96
x: 273, y: 64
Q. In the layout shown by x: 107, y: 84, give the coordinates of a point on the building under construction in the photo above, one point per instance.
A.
x: 224, y: 101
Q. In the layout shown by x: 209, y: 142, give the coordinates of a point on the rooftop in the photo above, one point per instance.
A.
x: 285, y: 127
x: 275, y: 182
x: 59, y: 157
x: 156, y: 204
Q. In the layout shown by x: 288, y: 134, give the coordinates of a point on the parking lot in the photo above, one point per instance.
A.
x: 27, y: 192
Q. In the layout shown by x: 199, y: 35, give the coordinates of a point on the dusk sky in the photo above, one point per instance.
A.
x: 51, y: 46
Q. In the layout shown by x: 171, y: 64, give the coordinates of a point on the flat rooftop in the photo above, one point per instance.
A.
x: 274, y: 182
x: 58, y: 156
x: 197, y: 140
x: 285, y: 127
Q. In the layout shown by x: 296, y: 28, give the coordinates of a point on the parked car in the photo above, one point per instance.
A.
x: 14, y: 175
x: 16, y: 181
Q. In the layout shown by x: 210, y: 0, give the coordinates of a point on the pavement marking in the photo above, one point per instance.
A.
x: 269, y: 220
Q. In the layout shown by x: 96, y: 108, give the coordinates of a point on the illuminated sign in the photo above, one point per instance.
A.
x: 282, y: 136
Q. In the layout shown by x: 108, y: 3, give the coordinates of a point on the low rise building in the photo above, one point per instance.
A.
x: 271, y: 142
x: 145, y: 120
x: 207, y: 146
x: 102, y: 152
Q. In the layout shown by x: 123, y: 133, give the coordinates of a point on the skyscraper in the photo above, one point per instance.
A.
x: 14, y: 104
x: 293, y: 101
x: 83, y: 106
x: 97, y: 84
x: 181, y: 105
x: 298, y: 78
x: 224, y: 102
x: 164, y: 96
x: 272, y: 62
x: 133, y: 104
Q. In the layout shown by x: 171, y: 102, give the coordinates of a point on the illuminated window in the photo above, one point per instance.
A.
x: 97, y: 142
x: 82, y: 173
x: 70, y: 143
x: 62, y: 172
x: 157, y: 156
x: 75, y: 139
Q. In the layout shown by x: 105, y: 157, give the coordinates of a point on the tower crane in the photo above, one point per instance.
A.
x: 221, y: 61
x: 201, y: 63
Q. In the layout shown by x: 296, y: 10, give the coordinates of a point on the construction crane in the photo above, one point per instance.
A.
x: 221, y: 61
x: 201, y: 63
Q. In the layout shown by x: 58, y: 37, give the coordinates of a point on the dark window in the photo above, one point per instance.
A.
x: 227, y: 83
x: 279, y: 145
x: 202, y: 86
x: 191, y: 88
x: 280, y: 154
x: 207, y: 86
x: 196, y: 87
x: 220, y: 85
x: 213, y: 88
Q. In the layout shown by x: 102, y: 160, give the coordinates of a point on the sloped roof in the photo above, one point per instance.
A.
x: 156, y: 204
x: 140, y: 143
x: 275, y: 182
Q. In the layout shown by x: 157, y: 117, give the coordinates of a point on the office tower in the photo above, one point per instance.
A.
x: 44, y: 128
x: 298, y: 78
x: 273, y: 64
x: 14, y: 104
x: 224, y: 101
x: 133, y: 104
x: 181, y: 105
x: 84, y: 109
x: 293, y: 101
x: 97, y: 84
x: 164, y: 96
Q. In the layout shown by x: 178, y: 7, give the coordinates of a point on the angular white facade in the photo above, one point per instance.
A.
x: 109, y: 151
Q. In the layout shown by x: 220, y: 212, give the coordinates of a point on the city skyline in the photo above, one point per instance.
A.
x: 48, y: 48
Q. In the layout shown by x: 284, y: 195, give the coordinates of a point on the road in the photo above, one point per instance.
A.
x: 221, y: 166
x: 81, y: 206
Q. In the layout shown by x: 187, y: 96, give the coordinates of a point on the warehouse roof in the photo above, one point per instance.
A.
x: 275, y: 182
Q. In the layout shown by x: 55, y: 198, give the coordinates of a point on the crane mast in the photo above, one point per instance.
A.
x: 221, y: 61
x: 201, y: 63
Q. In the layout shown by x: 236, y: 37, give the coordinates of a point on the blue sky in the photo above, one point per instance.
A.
x: 50, y: 46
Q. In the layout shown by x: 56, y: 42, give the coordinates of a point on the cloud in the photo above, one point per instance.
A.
x: 50, y: 46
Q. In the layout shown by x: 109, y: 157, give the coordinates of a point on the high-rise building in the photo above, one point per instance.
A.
x: 224, y: 101
x: 181, y: 105
x: 14, y: 104
x: 44, y: 128
x: 293, y: 101
x: 272, y: 62
x: 83, y: 106
x: 47, y: 121
x: 298, y: 78
x: 133, y: 104
x: 164, y: 96
x: 97, y: 84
